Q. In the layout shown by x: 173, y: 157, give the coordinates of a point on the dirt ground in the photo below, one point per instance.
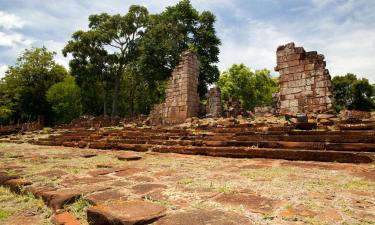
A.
x: 234, y: 191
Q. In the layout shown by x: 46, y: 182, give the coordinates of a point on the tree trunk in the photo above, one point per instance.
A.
x: 115, y: 95
x: 104, y: 102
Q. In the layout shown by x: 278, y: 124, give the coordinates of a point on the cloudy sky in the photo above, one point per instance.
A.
x: 250, y: 30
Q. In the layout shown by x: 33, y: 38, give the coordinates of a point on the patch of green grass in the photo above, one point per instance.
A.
x: 11, y: 203
x: 79, y: 209
x: 4, y: 214
x: 358, y: 185
x: 185, y: 182
x: 225, y: 189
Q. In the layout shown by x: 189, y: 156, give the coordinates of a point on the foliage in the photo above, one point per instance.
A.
x: 103, y: 53
x: 252, y: 88
x: 65, y: 98
x: 353, y: 93
x: 173, y: 31
x: 25, y: 85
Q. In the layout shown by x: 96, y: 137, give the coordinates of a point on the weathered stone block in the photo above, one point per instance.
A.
x: 304, y: 82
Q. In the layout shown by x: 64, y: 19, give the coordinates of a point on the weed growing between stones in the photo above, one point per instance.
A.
x: 13, y: 204
x: 79, y: 209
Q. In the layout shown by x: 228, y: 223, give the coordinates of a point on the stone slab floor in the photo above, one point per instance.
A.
x: 192, y: 189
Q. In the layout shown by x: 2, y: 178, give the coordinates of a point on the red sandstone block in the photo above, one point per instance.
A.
x: 309, y: 67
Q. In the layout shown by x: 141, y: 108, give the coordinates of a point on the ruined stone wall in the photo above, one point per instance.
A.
x: 181, y: 94
x: 304, y: 82
x: 214, y: 106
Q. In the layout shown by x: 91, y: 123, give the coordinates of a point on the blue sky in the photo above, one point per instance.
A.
x: 250, y: 30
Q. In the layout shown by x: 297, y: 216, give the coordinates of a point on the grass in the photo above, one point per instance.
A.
x: 225, y: 189
x: 185, y: 182
x: 4, y: 214
x: 267, y: 173
x: 358, y: 185
x: 79, y: 209
x: 11, y: 204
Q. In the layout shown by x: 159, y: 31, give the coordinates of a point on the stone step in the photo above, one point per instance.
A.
x: 288, y: 154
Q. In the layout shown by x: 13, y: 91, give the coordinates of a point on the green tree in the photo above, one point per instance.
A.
x: 363, y: 95
x: 353, y: 93
x: 342, y: 90
x: 112, y: 42
x: 65, y: 98
x: 169, y: 33
x: 25, y: 84
x: 252, y: 88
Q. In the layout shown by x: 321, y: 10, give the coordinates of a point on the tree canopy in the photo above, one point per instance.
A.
x: 252, y: 88
x: 106, y: 49
x: 133, y: 54
x: 353, y: 93
x: 25, y: 85
x: 65, y: 99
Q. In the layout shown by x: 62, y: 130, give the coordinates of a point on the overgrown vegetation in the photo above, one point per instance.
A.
x: 252, y: 88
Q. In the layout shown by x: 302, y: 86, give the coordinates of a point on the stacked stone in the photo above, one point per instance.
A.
x: 233, y: 108
x: 304, y: 82
x: 214, y: 107
x: 182, y: 99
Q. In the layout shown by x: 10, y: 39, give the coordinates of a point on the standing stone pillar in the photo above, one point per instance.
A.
x: 181, y: 94
x: 214, y: 106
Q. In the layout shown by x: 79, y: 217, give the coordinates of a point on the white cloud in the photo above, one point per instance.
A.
x: 55, y: 46
x: 13, y: 39
x: 10, y: 21
x: 345, y: 38
x: 3, y: 68
x: 256, y: 50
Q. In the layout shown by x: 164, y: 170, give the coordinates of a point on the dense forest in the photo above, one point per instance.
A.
x: 120, y: 65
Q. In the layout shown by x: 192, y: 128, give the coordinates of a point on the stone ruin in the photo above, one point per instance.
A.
x: 214, y: 106
x: 304, y: 82
x: 181, y: 94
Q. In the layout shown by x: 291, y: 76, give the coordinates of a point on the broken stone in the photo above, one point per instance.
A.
x: 64, y: 218
x: 57, y: 199
x: 127, y: 156
x: 125, y: 213
x: 102, y: 197
x: 250, y: 201
x: 145, y: 188
x: 204, y: 217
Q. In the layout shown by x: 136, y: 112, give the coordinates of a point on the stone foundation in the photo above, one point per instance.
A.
x: 305, y: 83
x: 181, y: 94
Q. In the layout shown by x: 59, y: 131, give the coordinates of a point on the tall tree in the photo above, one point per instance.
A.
x: 65, y: 99
x: 352, y: 93
x: 252, y: 88
x: 115, y: 38
x: 27, y: 82
x: 176, y: 29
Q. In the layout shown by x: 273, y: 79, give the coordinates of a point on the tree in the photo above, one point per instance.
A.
x: 65, y: 99
x: 26, y: 84
x: 252, y: 88
x: 353, y: 93
x: 169, y: 33
x: 111, y: 42
x: 363, y: 95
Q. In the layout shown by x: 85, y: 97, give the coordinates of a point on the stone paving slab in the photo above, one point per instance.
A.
x: 189, y: 188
